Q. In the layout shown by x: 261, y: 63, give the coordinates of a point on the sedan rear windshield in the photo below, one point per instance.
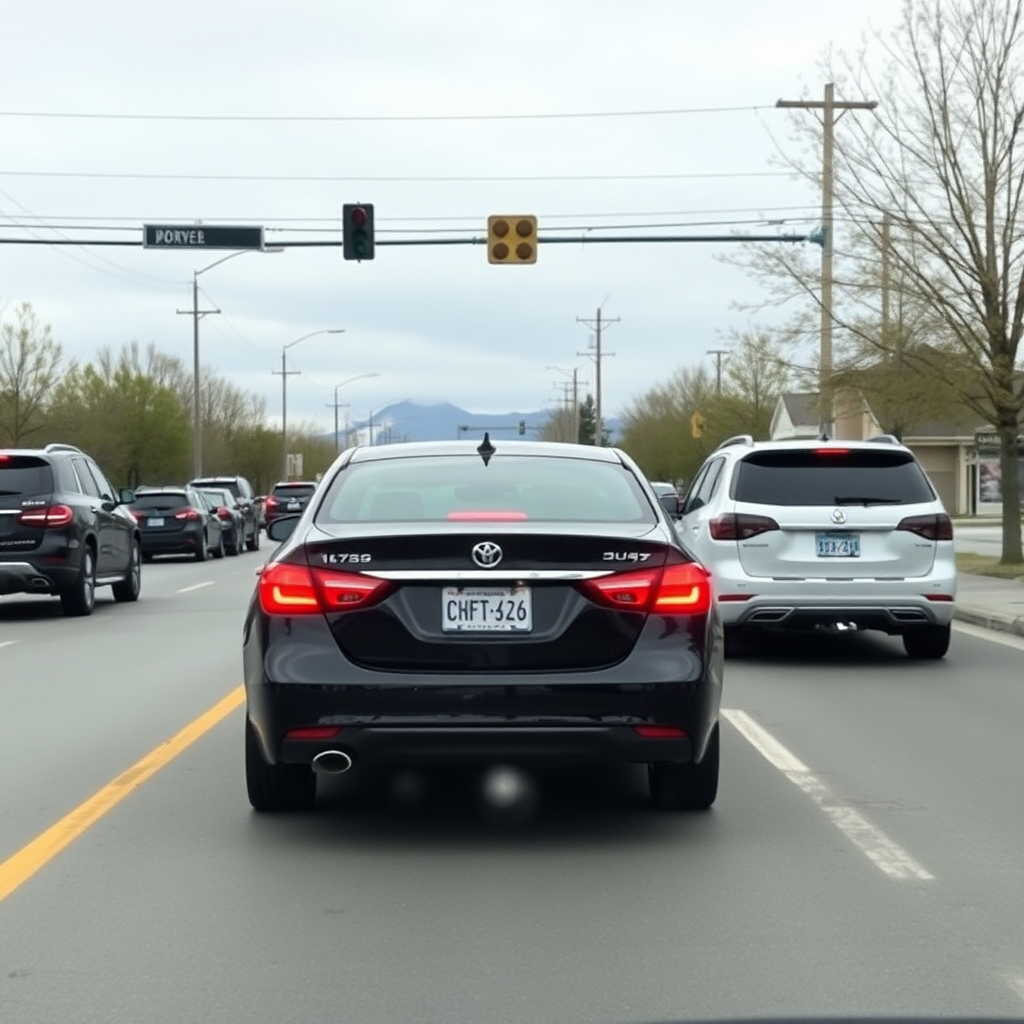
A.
x: 510, y: 488
x: 831, y: 476
x: 25, y: 475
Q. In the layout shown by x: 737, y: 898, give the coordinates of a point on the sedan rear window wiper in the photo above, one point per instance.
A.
x: 857, y: 500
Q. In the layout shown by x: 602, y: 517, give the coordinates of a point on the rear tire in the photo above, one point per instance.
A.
x: 202, y: 551
x: 927, y: 641
x: 128, y: 589
x: 253, y: 543
x: 275, y: 787
x: 736, y: 641
x: 80, y: 597
x: 218, y: 551
x: 686, y: 787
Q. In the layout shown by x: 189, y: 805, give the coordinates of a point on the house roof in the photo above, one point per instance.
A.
x: 802, y: 408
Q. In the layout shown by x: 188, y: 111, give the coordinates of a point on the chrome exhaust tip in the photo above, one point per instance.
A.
x: 332, y: 762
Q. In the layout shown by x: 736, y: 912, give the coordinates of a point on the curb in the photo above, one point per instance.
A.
x: 991, y: 620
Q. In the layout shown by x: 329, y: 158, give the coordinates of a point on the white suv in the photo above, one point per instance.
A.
x: 833, y: 535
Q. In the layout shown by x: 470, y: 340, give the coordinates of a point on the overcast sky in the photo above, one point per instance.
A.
x: 119, y: 113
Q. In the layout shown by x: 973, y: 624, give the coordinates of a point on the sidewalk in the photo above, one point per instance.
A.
x: 990, y: 602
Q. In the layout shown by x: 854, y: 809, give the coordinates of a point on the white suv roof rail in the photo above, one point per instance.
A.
x: 747, y: 439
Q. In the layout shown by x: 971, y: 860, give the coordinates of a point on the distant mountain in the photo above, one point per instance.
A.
x: 410, y: 421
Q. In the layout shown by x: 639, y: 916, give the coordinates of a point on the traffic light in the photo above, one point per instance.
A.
x: 522, y: 426
x: 357, y: 231
x: 511, y: 239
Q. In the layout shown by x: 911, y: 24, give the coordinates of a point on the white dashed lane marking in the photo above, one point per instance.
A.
x: 886, y: 855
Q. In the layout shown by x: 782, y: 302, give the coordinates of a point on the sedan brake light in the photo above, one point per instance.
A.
x: 186, y: 513
x: 486, y: 516
x: 933, y: 527
x: 286, y: 589
x: 52, y: 515
x: 740, y: 526
x: 270, y: 503
x: 680, y: 589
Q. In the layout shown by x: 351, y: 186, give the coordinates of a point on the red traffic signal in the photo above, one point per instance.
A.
x: 357, y: 231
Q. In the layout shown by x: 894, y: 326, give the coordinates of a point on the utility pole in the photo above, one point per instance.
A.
x: 336, y: 405
x: 197, y: 418
x: 718, y: 353
x: 596, y: 354
x: 828, y: 106
x: 886, y: 242
x: 285, y: 374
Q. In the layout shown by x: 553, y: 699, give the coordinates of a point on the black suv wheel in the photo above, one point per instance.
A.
x: 66, y: 530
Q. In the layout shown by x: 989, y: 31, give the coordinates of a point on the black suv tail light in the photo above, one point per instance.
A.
x: 52, y: 515
x: 740, y: 526
x: 933, y: 527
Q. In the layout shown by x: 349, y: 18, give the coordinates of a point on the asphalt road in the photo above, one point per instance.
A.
x: 863, y: 858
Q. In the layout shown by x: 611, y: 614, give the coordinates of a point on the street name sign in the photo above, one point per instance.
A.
x: 201, y: 236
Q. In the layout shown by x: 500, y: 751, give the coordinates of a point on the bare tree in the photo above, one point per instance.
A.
x: 934, y: 181
x: 31, y: 365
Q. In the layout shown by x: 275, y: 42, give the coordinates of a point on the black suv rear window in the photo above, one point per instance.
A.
x: 293, y: 490
x: 831, y: 476
x: 25, y: 475
x: 162, y: 499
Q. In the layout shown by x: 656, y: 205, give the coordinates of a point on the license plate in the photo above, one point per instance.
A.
x: 155, y: 521
x: 292, y: 505
x: 486, y: 609
x: 838, y: 545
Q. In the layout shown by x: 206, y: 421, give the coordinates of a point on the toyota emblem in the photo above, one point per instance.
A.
x: 838, y: 516
x: 486, y: 554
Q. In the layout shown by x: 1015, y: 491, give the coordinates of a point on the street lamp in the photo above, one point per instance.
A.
x: 285, y: 372
x: 197, y: 417
x: 360, y: 376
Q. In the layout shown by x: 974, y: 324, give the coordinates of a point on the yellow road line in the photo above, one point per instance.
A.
x: 21, y: 866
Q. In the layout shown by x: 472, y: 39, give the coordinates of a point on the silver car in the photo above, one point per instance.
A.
x: 824, y: 535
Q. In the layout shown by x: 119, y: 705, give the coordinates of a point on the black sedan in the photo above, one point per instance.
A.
x: 177, y: 521
x: 455, y: 602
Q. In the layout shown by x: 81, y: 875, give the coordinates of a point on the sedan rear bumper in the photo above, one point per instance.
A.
x: 521, y: 744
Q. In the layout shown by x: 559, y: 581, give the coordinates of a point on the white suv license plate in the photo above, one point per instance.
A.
x: 486, y: 609
x: 838, y: 545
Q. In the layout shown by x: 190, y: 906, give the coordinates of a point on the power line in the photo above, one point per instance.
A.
x: 376, y: 118
x: 410, y: 179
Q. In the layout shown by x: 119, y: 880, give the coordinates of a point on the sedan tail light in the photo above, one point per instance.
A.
x: 933, y: 527
x: 740, y: 526
x: 223, y: 513
x: 680, y: 589
x: 52, y: 515
x: 286, y: 589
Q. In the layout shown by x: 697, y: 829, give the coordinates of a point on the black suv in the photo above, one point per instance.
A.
x: 288, y: 498
x: 244, y: 497
x: 64, y: 530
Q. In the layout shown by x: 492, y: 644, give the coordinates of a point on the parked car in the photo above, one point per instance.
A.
x: 244, y: 497
x: 178, y: 521
x: 287, y: 498
x: 824, y: 535
x: 457, y: 602
x: 231, y: 518
x: 668, y: 496
x: 64, y: 530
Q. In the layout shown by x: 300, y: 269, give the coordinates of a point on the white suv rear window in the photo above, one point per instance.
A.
x: 831, y: 476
